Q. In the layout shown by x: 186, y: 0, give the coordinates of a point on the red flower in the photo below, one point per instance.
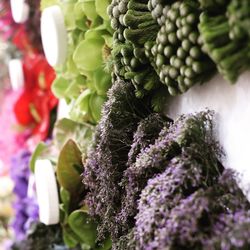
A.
x: 36, y: 101
x: 22, y: 41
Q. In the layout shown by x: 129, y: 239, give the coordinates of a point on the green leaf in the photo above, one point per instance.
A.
x: 80, y: 111
x: 102, y: 81
x: 88, y: 7
x: 88, y: 54
x: 101, y: 8
x: 85, y: 246
x: 96, y: 102
x: 69, y: 161
x: 97, y: 22
x: 75, y: 87
x: 71, y: 67
x: 108, y: 40
x: 83, y: 226
x: 66, y: 129
x: 69, y: 237
x: 65, y: 197
x: 94, y: 34
x: 47, y: 3
x: 68, y: 11
x: 108, y: 26
x: 78, y: 11
x: 82, y: 24
x: 37, y: 152
x: 59, y: 87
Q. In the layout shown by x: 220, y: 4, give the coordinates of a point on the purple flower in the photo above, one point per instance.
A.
x: 107, y: 161
x: 183, y: 176
x: 179, y: 209
x: 190, y: 135
x: 26, y: 208
x: 231, y: 231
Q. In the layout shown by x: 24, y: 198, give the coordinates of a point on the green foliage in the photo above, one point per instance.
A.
x: 69, y: 167
x: 88, y: 54
x: 230, y: 55
x: 40, y: 148
x: 101, y: 8
x: 133, y: 25
x: 83, y: 226
x: 66, y: 129
x: 47, y: 3
x: 89, y: 48
x: 66, y: 88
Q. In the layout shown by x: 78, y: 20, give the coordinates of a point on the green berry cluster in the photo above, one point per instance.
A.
x: 178, y: 57
x: 134, y: 26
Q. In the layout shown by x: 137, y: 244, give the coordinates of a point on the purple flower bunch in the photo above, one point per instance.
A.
x: 26, y: 208
x: 190, y: 136
x: 132, y: 146
x: 205, y: 217
x: 158, y: 184
x: 109, y: 155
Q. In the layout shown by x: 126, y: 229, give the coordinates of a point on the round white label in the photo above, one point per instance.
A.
x: 54, y: 35
x: 19, y: 10
x: 47, y: 193
x: 16, y: 74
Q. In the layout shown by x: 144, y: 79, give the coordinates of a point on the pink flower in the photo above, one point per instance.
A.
x: 11, y: 139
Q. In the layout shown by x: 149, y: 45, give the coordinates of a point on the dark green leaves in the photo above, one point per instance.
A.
x: 83, y: 226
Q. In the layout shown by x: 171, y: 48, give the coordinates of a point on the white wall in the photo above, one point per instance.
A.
x: 231, y: 104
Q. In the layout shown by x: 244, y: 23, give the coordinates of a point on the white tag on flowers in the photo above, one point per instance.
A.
x: 63, y: 109
x: 231, y: 104
x: 54, y: 35
x: 16, y: 74
x: 47, y: 193
x: 20, y: 10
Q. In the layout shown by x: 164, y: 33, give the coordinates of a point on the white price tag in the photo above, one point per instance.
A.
x: 16, y: 74
x: 54, y: 35
x: 20, y: 10
x: 47, y: 193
